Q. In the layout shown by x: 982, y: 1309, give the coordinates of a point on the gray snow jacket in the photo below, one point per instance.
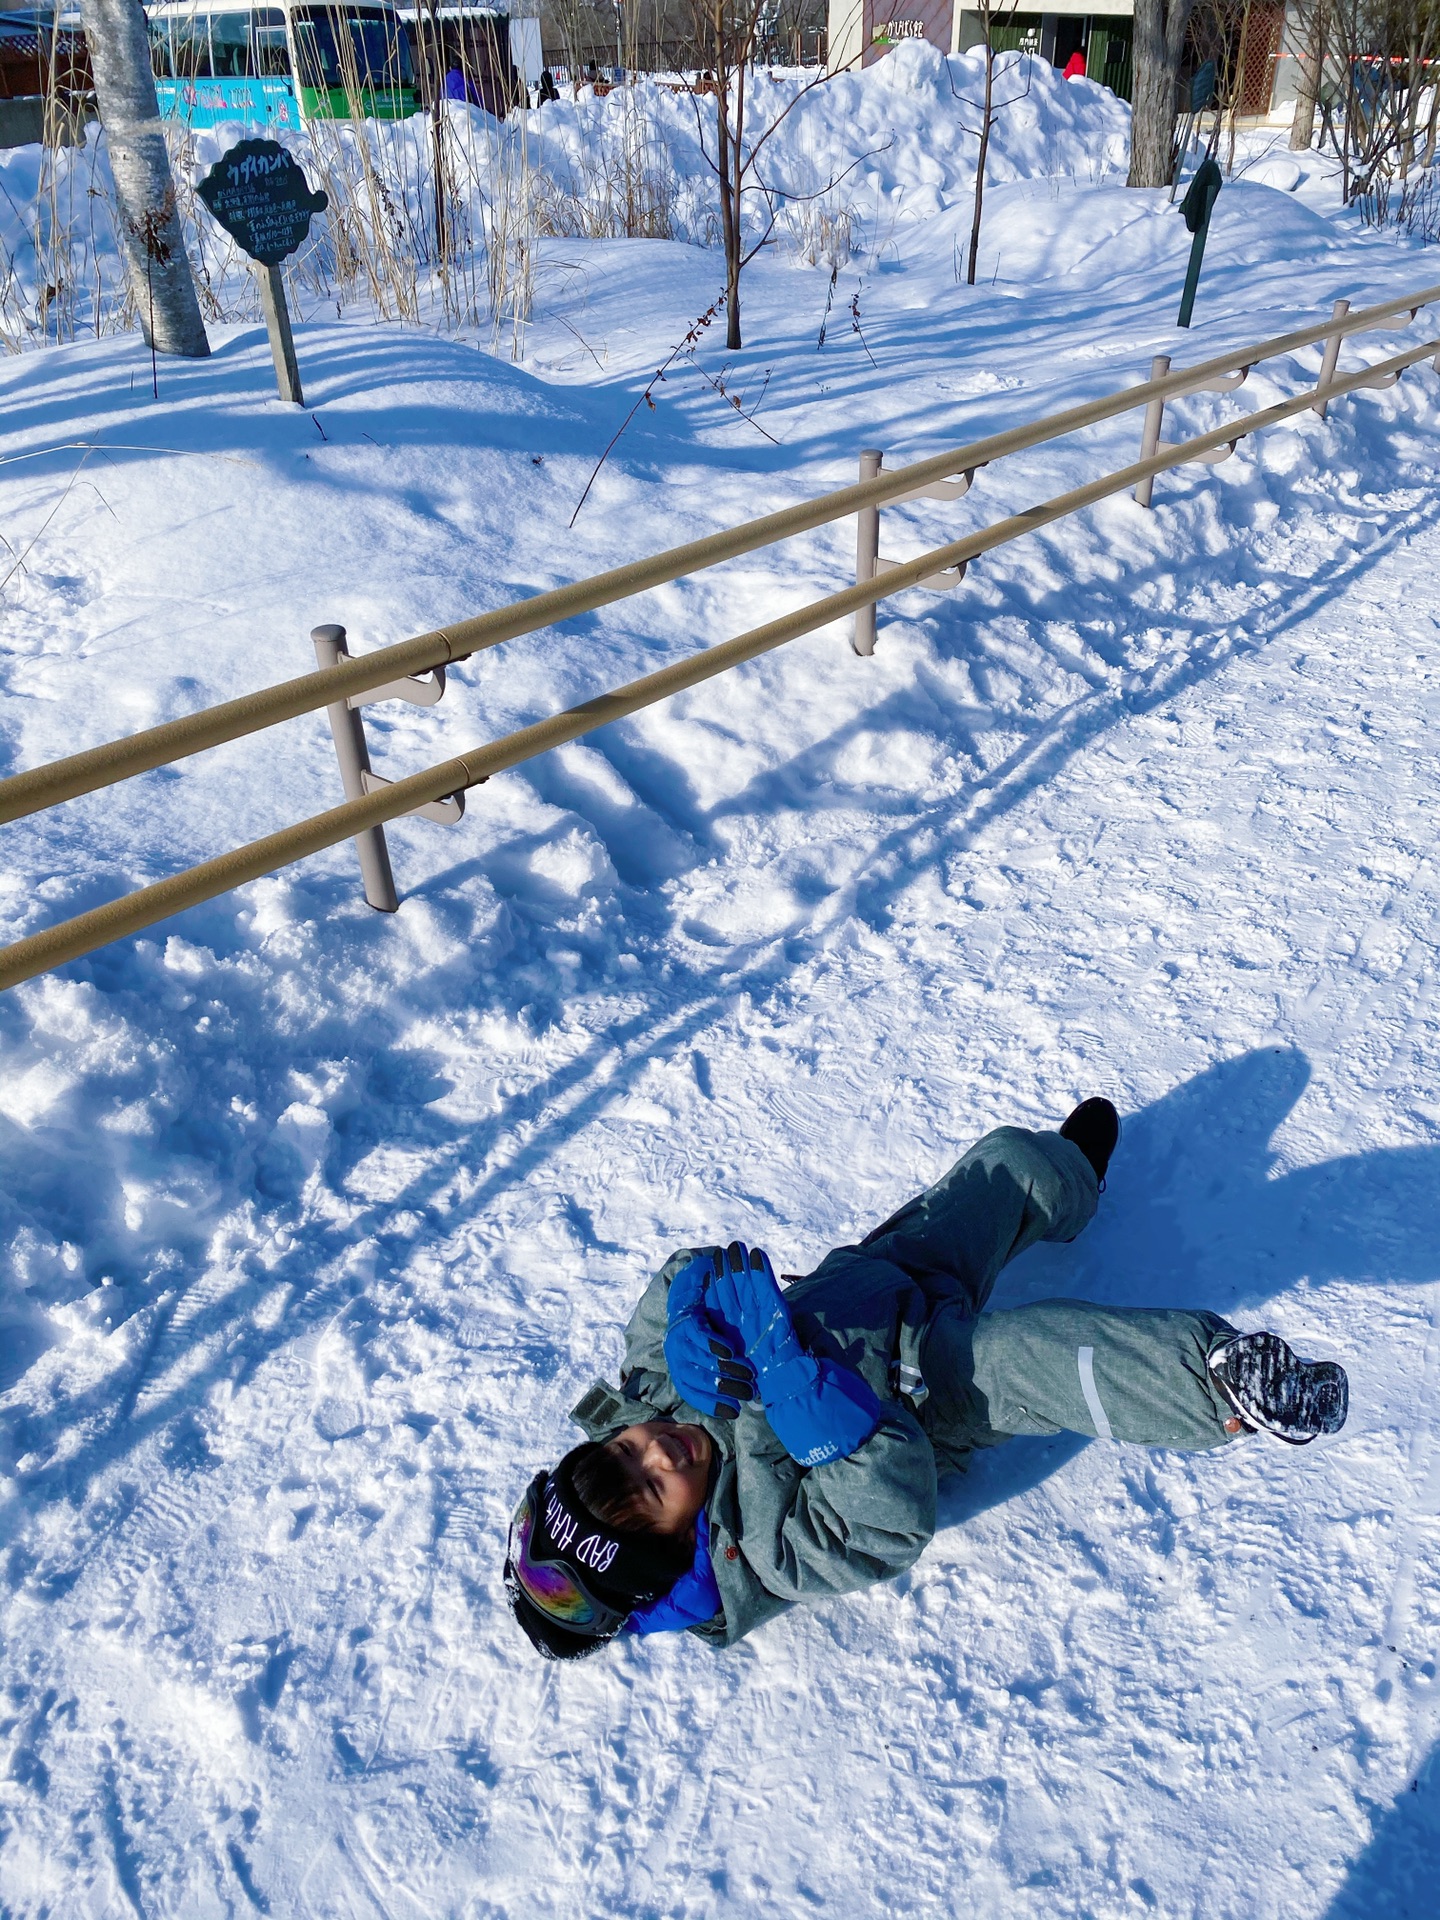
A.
x: 782, y: 1534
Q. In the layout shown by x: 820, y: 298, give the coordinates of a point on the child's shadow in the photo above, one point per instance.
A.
x: 994, y: 1475
x: 1194, y: 1214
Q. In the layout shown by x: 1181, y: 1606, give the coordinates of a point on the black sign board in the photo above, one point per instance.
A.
x: 260, y: 196
x: 1200, y: 195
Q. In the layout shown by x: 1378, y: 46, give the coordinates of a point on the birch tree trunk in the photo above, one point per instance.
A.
x: 150, y: 236
x: 1159, y: 38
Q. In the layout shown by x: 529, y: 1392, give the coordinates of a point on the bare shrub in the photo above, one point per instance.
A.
x: 822, y: 233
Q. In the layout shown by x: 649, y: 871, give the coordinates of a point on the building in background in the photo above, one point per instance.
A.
x: 1105, y: 41
x: 666, y: 36
x: 46, y: 90
x: 1246, y: 37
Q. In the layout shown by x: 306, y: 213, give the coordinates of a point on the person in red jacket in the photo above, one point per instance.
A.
x: 1075, y: 65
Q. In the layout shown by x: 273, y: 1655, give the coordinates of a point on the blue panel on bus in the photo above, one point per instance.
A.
x: 211, y: 102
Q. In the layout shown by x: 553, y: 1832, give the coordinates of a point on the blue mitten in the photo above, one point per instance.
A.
x: 706, y: 1367
x: 818, y: 1410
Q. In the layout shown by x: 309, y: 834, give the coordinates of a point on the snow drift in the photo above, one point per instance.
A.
x: 843, y: 163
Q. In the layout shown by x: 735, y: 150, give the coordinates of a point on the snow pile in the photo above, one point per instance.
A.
x: 59, y: 271
x: 898, y: 141
x: 61, y: 276
x: 843, y: 163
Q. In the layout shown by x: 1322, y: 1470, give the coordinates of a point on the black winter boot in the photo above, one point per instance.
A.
x: 1094, y: 1127
x: 1272, y: 1388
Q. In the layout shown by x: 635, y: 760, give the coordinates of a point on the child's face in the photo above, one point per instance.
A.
x: 669, y: 1467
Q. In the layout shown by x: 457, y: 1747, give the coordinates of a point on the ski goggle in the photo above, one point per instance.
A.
x: 548, y: 1583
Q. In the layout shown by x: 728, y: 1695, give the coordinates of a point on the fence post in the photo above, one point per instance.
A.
x: 1332, y: 357
x: 1150, y: 437
x: 867, y: 553
x: 354, y: 757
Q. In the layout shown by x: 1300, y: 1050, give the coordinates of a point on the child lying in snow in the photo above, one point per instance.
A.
x: 768, y: 1448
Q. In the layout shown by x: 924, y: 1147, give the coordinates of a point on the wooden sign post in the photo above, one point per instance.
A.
x: 260, y: 196
x: 282, y: 338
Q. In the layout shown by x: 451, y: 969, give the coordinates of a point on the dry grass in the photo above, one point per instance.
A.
x: 432, y: 221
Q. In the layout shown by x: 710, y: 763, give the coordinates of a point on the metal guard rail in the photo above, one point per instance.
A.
x: 79, y: 773
x: 130, y: 914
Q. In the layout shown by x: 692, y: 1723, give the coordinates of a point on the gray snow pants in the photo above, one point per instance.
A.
x: 1121, y: 1373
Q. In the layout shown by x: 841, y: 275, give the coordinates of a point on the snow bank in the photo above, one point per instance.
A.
x: 847, y: 160
x: 899, y: 140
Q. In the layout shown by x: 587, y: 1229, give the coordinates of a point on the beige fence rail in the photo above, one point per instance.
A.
x: 380, y: 673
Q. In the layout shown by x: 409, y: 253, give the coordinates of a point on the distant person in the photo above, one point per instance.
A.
x: 548, y: 89
x: 1075, y: 65
x: 459, y: 86
x: 771, y: 1449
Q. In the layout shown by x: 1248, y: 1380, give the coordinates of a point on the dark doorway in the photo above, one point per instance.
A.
x: 1072, y: 30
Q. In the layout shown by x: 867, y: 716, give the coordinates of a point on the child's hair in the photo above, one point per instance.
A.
x: 608, y: 1491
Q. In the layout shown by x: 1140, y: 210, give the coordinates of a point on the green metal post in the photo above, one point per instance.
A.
x: 1192, y: 274
x: 1197, y: 206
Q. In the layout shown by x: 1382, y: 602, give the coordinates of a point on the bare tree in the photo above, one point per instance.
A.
x: 993, y: 13
x: 1379, y: 59
x: 784, y: 27
x: 726, y: 36
x: 1159, y: 42
x: 642, y: 36
x: 150, y: 235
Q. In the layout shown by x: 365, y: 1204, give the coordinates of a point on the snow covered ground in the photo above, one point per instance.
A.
x: 316, y: 1222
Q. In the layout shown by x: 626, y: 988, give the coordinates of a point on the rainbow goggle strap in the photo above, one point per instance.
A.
x: 580, y: 1573
x: 537, y: 1564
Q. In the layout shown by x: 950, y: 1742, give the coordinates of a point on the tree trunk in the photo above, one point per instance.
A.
x: 1428, y: 156
x: 149, y: 225
x: 1420, y: 59
x: 733, y: 342
x: 726, y: 148
x: 734, y: 261
x: 1159, y: 38
x: 1307, y: 90
x: 984, y: 148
